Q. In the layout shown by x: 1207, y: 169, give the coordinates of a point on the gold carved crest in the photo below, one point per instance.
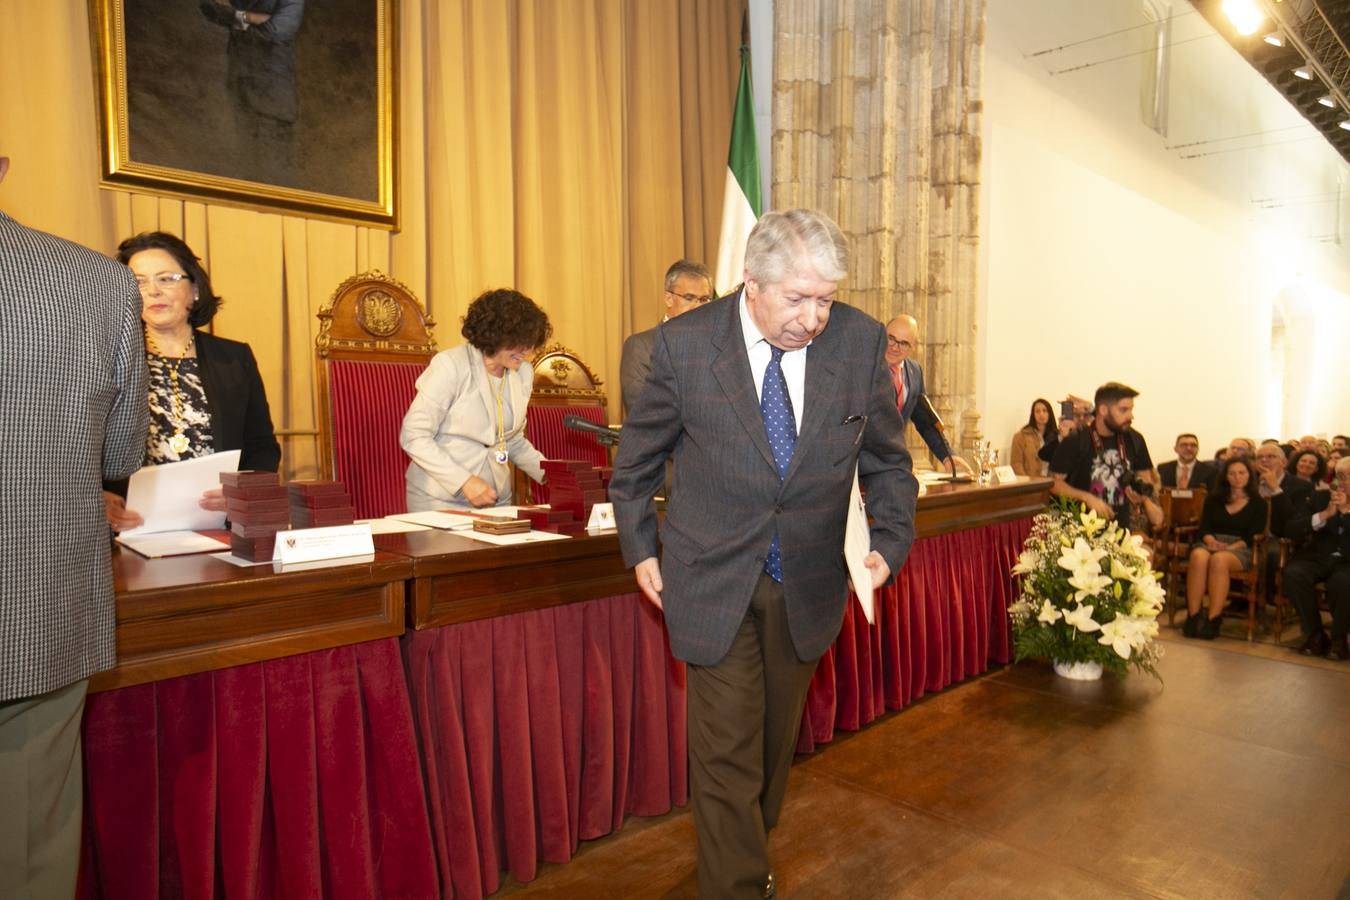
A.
x: 561, y: 369
x: 378, y: 313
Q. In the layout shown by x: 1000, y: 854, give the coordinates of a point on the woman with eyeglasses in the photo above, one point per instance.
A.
x: 467, y: 422
x: 205, y: 391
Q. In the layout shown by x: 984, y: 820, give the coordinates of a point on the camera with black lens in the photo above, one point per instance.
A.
x: 1140, y: 486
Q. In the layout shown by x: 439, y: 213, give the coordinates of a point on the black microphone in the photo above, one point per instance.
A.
x: 602, y: 433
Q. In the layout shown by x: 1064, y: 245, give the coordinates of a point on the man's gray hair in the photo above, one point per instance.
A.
x: 784, y: 243
x: 686, y: 268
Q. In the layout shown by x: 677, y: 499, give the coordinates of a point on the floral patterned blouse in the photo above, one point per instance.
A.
x: 193, y: 411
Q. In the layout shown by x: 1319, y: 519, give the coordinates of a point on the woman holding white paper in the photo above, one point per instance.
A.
x: 467, y: 422
x: 206, y: 394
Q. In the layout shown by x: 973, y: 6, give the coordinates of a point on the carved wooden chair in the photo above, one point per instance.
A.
x: 563, y: 386
x: 374, y: 341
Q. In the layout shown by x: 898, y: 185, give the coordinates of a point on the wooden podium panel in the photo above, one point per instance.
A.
x: 188, y: 614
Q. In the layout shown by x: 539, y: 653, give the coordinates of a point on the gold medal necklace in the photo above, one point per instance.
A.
x: 179, y: 443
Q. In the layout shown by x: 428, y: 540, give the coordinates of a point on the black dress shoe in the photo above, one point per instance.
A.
x: 1339, y: 649
x: 1315, y: 644
x: 1210, y: 629
x: 1192, y: 627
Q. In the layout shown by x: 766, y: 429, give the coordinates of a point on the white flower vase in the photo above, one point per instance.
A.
x: 1079, y: 671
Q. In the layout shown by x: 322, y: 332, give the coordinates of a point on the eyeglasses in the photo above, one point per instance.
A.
x: 896, y: 344
x: 164, y: 280
x: 691, y: 298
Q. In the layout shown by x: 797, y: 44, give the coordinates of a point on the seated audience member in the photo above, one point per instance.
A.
x: 1308, y: 442
x: 1219, y: 456
x: 1308, y: 466
x: 1238, y: 448
x: 206, y: 394
x: 1027, y: 443
x: 1323, y: 448
x: 1334, y: 457
x: 1145, y: 514
x: 1340, y: 442
x: 1323, y: 558
x: 1285, y: 493
x: 1186, y: 472
x: 1233, y: 515
x: 467, y: 422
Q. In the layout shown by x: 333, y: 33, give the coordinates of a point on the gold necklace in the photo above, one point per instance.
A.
x: 179, y: 443
x: 501, y: 455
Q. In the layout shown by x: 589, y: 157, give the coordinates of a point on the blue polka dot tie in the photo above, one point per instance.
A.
x: 781, y: 426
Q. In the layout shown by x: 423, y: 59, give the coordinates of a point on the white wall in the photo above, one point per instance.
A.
x: 1109, y: 256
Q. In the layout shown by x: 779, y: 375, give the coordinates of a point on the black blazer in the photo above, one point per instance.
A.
x: 1201, y: 473
x: 1295, y: 494
x: 240, y: 417
x: 1331, y: 538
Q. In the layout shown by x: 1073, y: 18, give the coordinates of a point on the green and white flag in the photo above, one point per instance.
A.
x: 741, y: 203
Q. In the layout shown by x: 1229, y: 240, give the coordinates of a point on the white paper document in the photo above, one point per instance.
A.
x: 392, y: 526
x: 437, y: 519
x: 171, y: 543
x: 857, y: 544
x: 167, y: 496
x: 522, y: 537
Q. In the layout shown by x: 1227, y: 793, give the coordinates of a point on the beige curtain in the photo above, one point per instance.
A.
x: 569, y: 148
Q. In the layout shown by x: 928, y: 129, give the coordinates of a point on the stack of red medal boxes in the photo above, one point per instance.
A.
x: 574, y: 486
x: 319, y: 504
x: 255, y: 504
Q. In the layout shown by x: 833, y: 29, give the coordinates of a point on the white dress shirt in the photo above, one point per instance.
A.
x: 794, y: 363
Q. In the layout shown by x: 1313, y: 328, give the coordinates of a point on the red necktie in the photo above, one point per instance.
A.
x: 1184, y: 478
x: 898, y: 377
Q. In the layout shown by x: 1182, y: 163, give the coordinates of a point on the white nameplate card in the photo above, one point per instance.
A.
x: 1182, y: 494
x: 334, y: 542
x: 602, y: 518
x: 1004, y: 475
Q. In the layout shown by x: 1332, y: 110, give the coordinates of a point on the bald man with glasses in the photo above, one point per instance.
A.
x: 688, y: 286
x: 902, y: 337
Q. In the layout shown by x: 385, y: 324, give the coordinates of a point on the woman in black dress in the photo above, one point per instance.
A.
x: 1232, y: 518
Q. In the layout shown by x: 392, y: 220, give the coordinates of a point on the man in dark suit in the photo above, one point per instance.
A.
x: 765, y: 411
x: 902, y: 337
x: 73, y: 389
x: 1186, y: 472
x: 688, y: 286
x: 1325, y: 557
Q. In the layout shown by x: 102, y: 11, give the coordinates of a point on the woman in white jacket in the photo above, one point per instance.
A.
x: 467, y: 422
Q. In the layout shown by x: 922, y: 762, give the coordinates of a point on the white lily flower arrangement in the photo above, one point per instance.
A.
x: 1088, y: 593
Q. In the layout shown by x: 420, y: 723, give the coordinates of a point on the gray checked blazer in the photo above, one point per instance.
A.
x: 74, y: 411
x: 700, y: 406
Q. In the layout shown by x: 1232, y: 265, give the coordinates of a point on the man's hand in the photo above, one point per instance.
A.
x: 1337, y: 504
x: 119, y: 517
x: 648, y: 573
x: 955, y: 464
x: 478, y: 492
x: 876, y: 564
x: 1099, y: 506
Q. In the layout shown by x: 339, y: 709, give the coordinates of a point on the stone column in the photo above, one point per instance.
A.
x: 876, y: 120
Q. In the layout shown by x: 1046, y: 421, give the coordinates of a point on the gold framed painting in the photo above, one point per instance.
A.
x: 270, y: 104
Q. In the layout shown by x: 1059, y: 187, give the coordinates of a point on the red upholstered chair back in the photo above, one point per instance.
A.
x: 563, y: 386
x: 374, y: 341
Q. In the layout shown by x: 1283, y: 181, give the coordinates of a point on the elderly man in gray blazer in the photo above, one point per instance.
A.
x: 73, y: 391
x: 766, y: 400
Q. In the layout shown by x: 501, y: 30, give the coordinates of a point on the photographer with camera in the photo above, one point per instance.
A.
x: 1098, y: 464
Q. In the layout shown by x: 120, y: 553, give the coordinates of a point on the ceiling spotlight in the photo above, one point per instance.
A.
x: 1274, y: 39
x: 1304, y: 71
x: 1345, y: 123
x: 1327, y: 100
x: 1244, y: 14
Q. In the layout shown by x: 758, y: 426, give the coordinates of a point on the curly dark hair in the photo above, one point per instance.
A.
x: 1321, y: 464
x: 503, y: 318
x: 1225, y: 490
x: 204, y: 308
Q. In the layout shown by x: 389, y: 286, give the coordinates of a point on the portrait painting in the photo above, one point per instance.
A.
x: 282, y: 104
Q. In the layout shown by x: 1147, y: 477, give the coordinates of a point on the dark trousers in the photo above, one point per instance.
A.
x: 1302, y: 575
x: 744, y: 714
